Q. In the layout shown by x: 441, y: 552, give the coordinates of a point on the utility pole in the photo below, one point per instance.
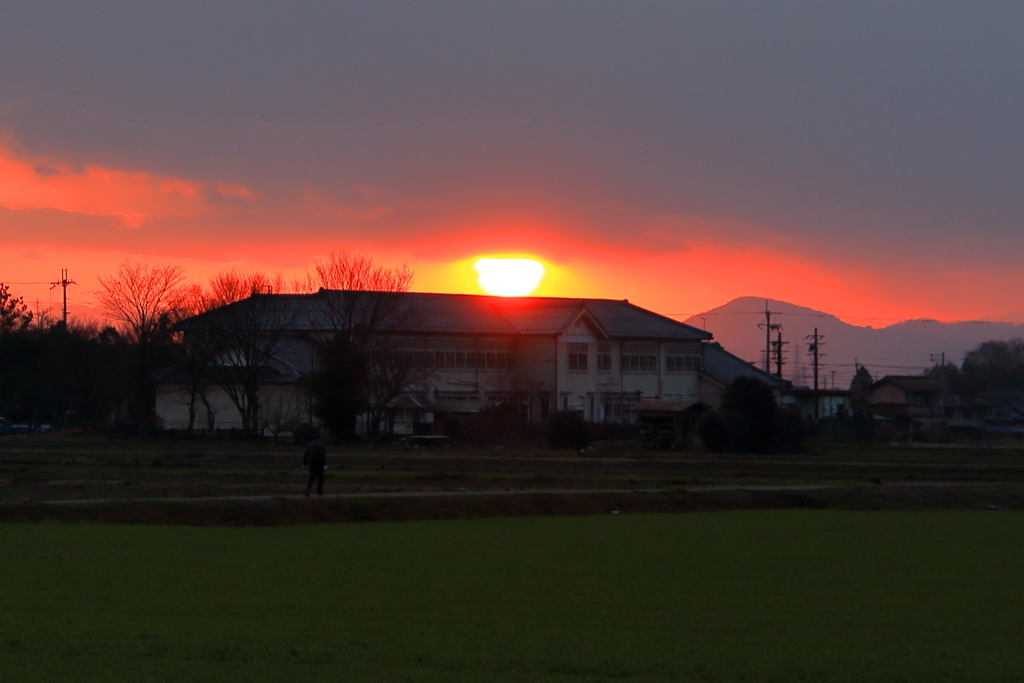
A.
x: 941, y: 357
x: 943, y: 375
x: 64, y: 282
x: 777, y: 348
x: 769, y: 327
x: 814, y: 348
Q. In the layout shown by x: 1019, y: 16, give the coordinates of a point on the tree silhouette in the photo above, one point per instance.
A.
x: 140, y: 299
x: 748, y: 406
x: 992, y: 366
x: 363, y: 301
x: 860, y: 386
x: 339, y: 386
x: 14, y: 313
x: 248, y: 334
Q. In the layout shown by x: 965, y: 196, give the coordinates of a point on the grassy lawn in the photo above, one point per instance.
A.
x: 748, y: 596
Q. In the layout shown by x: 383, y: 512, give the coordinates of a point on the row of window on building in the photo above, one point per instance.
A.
x: 457, y: 355
x: 460, y: 360
x: 497, y: 355
x: 635, y: 357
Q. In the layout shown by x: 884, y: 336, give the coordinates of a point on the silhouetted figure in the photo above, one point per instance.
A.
x: 315, y: 458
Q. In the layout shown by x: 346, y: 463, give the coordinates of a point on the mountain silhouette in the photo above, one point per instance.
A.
x: 903, y: 348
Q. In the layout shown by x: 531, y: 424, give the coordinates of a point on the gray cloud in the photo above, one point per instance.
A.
x: 870, y: 127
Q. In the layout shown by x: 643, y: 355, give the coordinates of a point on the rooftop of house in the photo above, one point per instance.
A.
x: 957, y: 401
x: 909, y: 383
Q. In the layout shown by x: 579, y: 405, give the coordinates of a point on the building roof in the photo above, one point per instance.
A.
x: 957, y: 401
x: 426, y: 313
x: 445, y: 314
x: 662, y: 406
x: 909, y: 383
x: 1000, y: 399
x: 808, y: 391
x: 725, y: 367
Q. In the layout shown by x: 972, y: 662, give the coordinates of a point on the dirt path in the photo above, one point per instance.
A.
x: 284, y: 510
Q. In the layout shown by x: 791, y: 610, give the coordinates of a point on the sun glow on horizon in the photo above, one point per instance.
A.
x: 509, y: 276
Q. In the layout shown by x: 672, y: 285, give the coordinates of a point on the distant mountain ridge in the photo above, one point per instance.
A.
x: 903, y: 348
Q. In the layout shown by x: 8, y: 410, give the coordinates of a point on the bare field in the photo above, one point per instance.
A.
x: 172, y: 482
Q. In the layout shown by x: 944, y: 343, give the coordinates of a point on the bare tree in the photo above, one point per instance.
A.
x: 231, y: 285
x: 197, y: 351
x: 249, y: 333
x: 280, y: 413
x: 359, y: 297
x: 364, y: 303
x: 140, y: 299
x: 393, y: 371
x: 344, y: 271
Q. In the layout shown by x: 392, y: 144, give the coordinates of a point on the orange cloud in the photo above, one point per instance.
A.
x: 55, y: 215
x: 132, y: 197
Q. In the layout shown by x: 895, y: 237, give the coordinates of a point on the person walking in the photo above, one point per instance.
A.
x: 315, y: 458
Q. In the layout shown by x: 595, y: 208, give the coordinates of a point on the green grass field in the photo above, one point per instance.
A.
x: 746, y: 596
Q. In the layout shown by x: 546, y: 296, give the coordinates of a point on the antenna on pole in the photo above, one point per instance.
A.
x: 64, y: 282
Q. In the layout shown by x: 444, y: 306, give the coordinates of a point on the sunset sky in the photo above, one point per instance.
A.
x: 860, y: 158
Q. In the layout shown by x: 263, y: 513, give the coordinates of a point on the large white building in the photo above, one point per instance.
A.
x: 596, y: 356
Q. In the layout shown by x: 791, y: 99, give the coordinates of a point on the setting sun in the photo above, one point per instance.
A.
x: 509, y: 276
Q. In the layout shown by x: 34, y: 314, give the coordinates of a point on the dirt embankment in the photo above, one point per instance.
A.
x: 283, y: 511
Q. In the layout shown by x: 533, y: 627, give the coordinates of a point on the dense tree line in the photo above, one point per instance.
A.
x: 992, y: 366
x: 68, y: 377
x: 92, y: 377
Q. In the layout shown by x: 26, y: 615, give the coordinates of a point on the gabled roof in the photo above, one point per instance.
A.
x: 446, y: 314
x: 583, y: 314
x: 262, y: 312
x: 544, y: 315
x: 909, y: 383
x: 535, y: 315
x: 1005, y: 398
x: 623, y: 319
x: 957, y: 401
x: 426, y: 313
x: 725, y: 367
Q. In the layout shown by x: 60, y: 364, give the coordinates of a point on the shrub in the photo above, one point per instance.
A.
x: 452, y: 427
x: 304, y: 433
x: 566, y: 429
x: 613, y: 431
x: 788, y: 432
x: 494, y: 426
x: 751, y: 422
x: 712, y: 432
x: 749, y: 409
